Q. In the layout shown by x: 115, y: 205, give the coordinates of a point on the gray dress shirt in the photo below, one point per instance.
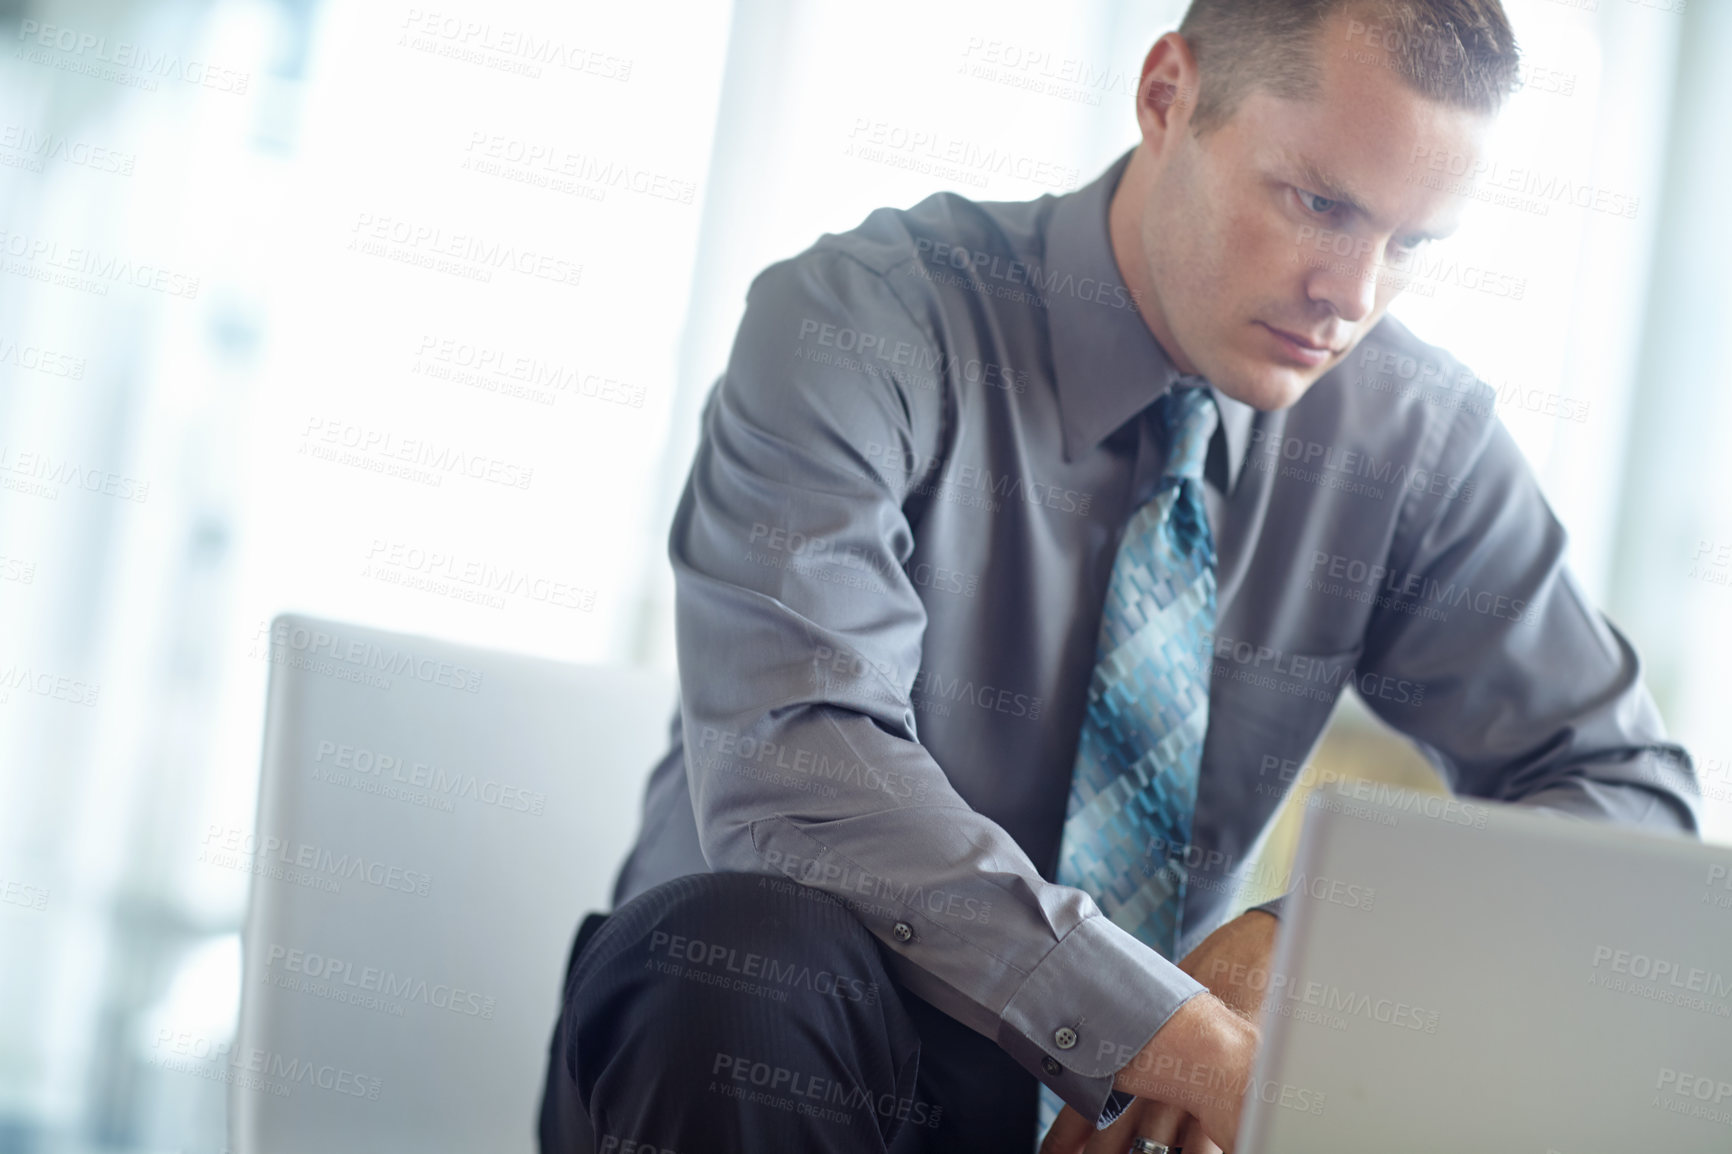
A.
x: 891, y: 557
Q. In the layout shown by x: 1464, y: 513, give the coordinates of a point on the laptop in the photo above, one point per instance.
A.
x: 1456, y: 975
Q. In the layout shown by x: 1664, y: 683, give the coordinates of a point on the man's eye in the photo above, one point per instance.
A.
x: 1322, y: 206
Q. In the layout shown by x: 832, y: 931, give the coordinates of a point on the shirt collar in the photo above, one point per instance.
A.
x: 1107, y: 364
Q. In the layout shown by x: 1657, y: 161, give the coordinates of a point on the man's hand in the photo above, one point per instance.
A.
x: 1197, y: 1064
x: 1144, y: 1118
x: 1191, y: 1078
x: 1234, y: 961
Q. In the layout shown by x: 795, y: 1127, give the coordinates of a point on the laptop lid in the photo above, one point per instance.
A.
x: 1460, y: 975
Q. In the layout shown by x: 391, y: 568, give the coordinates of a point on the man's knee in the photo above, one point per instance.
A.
x: 698, y: 894
x: 715, y: 983
x: 679, y: 978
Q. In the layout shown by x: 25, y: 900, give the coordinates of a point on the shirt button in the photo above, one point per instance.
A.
x: 903, y: 931
x: 1050, y: 1065
x: 1064, y: 1037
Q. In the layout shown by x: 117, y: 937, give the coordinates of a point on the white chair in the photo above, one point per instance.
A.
x: 434, y: 821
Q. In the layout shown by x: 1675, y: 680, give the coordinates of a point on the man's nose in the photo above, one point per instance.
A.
x: 1347, y: 284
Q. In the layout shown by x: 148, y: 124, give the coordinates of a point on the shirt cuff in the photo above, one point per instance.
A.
x: 1087, y: 1009
x: 1276, y: 906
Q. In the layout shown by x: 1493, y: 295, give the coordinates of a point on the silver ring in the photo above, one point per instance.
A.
x: 1150, y: 1146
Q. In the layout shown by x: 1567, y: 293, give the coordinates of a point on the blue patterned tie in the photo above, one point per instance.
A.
x: 1134, y: 788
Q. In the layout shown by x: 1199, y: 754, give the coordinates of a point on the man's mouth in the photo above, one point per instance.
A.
x: 1298, y: 348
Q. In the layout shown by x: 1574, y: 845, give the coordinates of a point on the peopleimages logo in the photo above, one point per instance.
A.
x: 1301, y: 675
x: 1718, y: 891
x: 1372, y: 582
x: 744, y: 748
x: 41, y: 683
x: 546, y: 164
x: 1664, y: 972
x: 1436, y: 807
x: 1287, y: 992
x: 290, y: 641
x: 496, y: 369
x: 933, y: 151
x: 15, y: 893
x: 37, y: 359
x: 791, y: 975
x: 1210, y: 868
x: 1036, y: 68
x: 34, y: 147
x: 935, y: 692
x: 466, y: 254
x: 38, y: 474
x: 816, y: 550
x: 97, y: 56
x: 252, y: 1068
x: 1042, y: 283
x: 929, y: 363
x: 796, y: 1084
x: 340, y: 980
x: 475, y: 41
x: 938, y: 475
x: 1303, y: 453
x: 1693, y: 1095
x: 40, y: 254
x: 1541, y: 187
x: 851, y: 883
x: 328, y: 439
x: 358, y: 767
x: 468, y: 578
x: 1201, y: 1083
x: 302, y: 863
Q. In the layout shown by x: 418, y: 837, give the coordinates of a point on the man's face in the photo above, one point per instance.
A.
x: 1276, y: 242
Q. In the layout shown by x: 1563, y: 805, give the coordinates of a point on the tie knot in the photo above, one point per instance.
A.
x: 1189, y: 414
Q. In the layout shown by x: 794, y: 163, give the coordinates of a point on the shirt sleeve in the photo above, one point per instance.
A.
x: 1275, y: 906
x: 1525, y: 693
x: 799, y: 636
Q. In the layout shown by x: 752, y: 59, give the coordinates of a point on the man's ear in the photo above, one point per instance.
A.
x: 1167, y: 91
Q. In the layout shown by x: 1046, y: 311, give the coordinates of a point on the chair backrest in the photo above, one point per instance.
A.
x: 434, y: 821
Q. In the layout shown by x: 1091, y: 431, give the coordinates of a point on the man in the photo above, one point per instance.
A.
x: 1026, y: 551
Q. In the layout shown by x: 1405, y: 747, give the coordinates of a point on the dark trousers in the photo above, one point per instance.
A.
x: 742, y: 1013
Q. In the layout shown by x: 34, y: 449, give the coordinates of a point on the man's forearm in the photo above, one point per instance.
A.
x: 1661, y: 795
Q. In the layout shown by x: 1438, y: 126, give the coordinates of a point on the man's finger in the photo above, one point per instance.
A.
x: 1192, y: 1138
x: 1164, y: 1123
x: 1145, y: 1119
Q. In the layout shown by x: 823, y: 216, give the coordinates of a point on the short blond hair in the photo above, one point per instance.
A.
x: 1458, y: 52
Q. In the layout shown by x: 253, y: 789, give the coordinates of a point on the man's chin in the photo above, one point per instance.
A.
x: 1267, y: 386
